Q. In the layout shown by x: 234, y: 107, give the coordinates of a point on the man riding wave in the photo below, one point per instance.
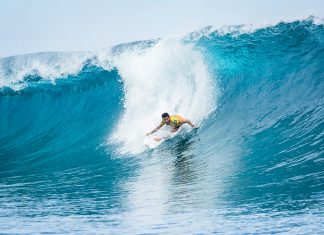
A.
x: 175, y: 121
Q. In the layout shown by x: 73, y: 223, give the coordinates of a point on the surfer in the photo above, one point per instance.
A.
x: 175, y: 121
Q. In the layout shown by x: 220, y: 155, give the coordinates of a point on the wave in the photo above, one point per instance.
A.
x: 257, y: 96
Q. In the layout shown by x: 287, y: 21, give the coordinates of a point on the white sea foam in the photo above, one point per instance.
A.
x: 318, y: 20
x: 49, y: 66
x: 169, y: 77
x: 237, y: 30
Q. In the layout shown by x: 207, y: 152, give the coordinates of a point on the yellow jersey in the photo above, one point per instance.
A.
x: 175, y: 121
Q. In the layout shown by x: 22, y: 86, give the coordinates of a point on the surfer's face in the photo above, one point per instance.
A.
x: 166, y: 120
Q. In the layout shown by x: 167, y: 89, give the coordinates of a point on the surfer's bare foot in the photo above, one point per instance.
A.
x: 157, y: 139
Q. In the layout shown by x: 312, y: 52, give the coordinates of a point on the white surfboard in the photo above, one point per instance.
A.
x: 151, y: 142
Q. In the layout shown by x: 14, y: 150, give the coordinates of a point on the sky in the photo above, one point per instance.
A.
x: 28, y: 26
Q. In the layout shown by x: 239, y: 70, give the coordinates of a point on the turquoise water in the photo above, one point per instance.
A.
x: 72, y: 158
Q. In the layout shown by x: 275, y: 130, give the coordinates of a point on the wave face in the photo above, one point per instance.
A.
x: 72, y: 128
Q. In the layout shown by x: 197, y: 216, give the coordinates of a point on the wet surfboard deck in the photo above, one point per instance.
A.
x: 151, y: 143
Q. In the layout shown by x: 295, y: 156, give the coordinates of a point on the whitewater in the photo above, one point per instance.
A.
x: 72, y: 124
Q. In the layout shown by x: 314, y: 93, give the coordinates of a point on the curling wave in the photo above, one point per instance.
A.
x: 73, y: 125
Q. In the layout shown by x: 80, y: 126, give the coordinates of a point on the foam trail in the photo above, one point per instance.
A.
x: 169, y: 77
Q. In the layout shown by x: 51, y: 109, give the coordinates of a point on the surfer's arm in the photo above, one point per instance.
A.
x: 189, y: 122
x: 156, y: 129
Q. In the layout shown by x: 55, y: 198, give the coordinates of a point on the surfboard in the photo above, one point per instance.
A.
x: 151, y: 143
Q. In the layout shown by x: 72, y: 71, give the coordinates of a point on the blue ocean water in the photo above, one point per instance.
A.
x: 72, y: 158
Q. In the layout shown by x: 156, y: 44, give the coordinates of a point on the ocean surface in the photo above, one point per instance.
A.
x: 72, y: 124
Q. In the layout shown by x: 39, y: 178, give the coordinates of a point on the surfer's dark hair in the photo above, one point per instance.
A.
x: 165, y: 115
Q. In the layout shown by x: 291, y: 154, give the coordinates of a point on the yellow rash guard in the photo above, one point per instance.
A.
x: 175, y: 121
